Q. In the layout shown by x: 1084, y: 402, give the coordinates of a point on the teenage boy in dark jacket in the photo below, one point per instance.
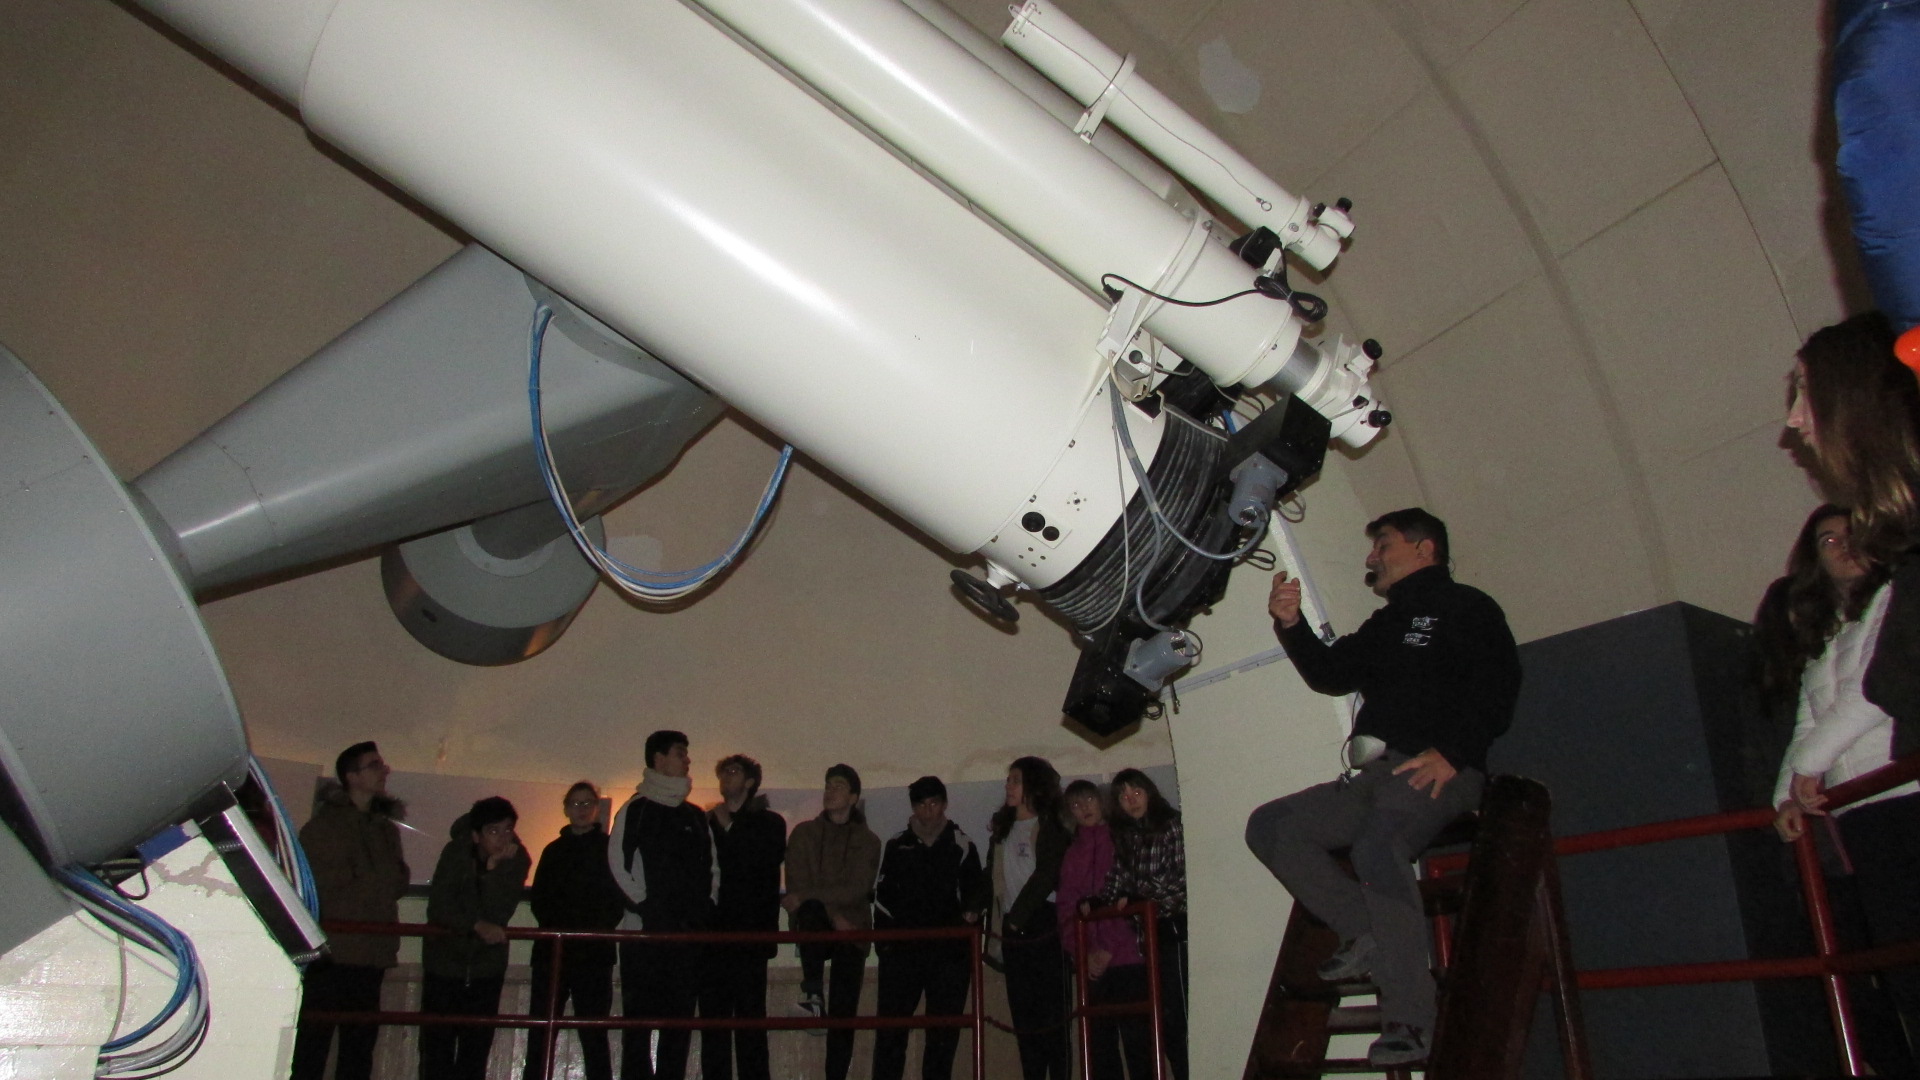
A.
x: 662, y: 858
x: 930, y: 876
x: 476, y: 886
x: 574, y: 890
x: 749, y: 843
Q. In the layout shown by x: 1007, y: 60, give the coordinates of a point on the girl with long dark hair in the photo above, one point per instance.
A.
x: 1856, y: 410
x: 1857, y: 413
x: 1116, y: 972
x: 1029, y: 841
x: 1805, y: 608
x: 1150, y: 863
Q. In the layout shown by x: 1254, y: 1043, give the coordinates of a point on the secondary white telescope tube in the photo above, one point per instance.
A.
x: 1086, y: 68
x: 1051, y: 98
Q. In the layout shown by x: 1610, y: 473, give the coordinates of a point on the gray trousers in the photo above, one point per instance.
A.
x: 1384, y: 823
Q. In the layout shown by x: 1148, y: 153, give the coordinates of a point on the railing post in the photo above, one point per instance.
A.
x: 1442, y: 924
x: 1153, y: 988
x: 1576, y: 1060
x: 553, y: 1009
x: 1813, y: 886
x: 1080, y: 993
x: 979, y: 1001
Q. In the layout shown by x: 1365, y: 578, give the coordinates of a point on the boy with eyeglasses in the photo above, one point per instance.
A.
x: 573, y: 889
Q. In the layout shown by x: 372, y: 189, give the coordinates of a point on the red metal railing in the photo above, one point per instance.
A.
x: 552, y: 1022
x: 1828, y: 963
x: 1086, y: 1014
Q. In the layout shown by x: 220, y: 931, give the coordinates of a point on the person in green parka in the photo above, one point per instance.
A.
x: 475, y: 888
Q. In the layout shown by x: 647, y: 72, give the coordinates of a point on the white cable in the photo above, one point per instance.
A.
x: 1126, y: 540
x: 1125, y: 436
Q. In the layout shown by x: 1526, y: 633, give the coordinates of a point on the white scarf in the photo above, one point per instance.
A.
x: 663, y: 789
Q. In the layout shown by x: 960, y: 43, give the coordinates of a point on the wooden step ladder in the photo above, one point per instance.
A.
x: 1508, y: 943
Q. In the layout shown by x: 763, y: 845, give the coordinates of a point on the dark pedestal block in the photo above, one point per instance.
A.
x: 1645, y: 718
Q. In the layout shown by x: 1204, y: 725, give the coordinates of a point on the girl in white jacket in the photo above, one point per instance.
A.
x: 1839, y: 735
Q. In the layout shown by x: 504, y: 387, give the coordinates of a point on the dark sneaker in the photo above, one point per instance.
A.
x: 812, y: 1007
x: 1400, y: 1045
x: 1354, y: 960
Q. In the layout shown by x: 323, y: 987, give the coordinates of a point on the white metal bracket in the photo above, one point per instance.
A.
x: 1134, y: 368
x: 1096, y: 113
x: 1294, y: 562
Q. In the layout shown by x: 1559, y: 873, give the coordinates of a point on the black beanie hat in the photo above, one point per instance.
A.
x: 845, y: 772
x: 927, y: 787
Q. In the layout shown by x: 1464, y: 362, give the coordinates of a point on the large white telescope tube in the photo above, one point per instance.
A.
x: 647, y: 166
x: 920, y: 87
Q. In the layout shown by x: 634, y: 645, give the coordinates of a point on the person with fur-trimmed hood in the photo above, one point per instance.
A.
x: 358, y: 868
x: 475, y: 889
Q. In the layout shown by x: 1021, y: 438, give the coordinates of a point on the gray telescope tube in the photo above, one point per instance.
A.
x: 415, y: 421
x: 118, y: 717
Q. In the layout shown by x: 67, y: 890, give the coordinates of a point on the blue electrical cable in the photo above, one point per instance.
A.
x: 302, y: 869
x: 657, y: 585
x: 665, y: 580
x: 164, y: 939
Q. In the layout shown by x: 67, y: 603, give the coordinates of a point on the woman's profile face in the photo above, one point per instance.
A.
x: 1016, y: 788
x: 1799, y: 410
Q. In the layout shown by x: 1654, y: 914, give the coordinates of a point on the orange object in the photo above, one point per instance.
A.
x: 1907, y: 348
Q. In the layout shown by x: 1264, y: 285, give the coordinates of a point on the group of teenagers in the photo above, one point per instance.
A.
x: 667, y: 865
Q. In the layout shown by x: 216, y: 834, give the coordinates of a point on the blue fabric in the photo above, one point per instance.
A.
x: 1876, y: 108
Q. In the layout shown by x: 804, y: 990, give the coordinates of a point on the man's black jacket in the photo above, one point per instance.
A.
x: 750, y: 851
x: 1437, y: 665
x: 677, y: 857
x: 1893, y: 676
x: 924, y: 885
x: 574, y: 890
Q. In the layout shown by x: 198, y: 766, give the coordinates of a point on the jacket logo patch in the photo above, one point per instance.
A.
x: 1416, y: 639
x: 1425, y: 622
